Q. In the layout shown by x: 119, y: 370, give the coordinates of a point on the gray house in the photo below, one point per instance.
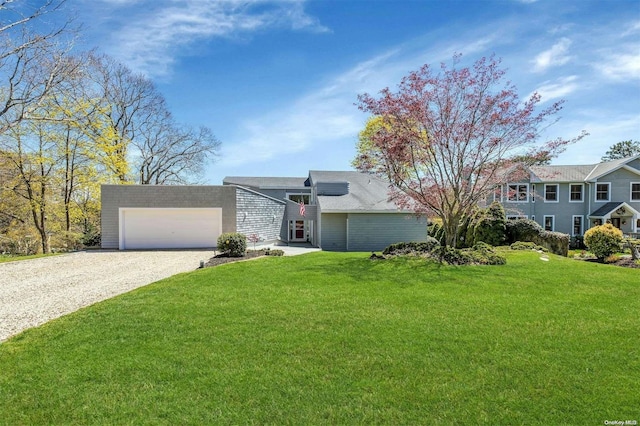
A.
x: 572, y: 199
x: 338, y: 211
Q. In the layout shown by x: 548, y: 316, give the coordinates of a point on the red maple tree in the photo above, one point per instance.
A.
x: 448, y: 138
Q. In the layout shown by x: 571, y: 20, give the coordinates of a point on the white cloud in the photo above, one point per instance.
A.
x: 557, y: 89
x: 620, y: 66
x: 151, y: 42
x: 554, y: 56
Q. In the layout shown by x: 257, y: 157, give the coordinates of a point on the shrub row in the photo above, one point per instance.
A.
x: 529, y: 230
x: 480, y: 254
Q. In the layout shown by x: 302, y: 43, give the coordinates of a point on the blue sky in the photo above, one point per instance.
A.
x: 276, y: 81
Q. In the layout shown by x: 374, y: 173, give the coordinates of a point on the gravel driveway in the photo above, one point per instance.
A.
x: 35, y: 291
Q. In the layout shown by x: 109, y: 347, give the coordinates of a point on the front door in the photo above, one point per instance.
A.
x: 615, y: 221
x: 298, y: 230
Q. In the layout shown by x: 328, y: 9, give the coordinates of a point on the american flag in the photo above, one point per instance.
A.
x: 302, y: 208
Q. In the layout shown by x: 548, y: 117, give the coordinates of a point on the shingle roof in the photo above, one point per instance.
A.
x: 588, y: 172
x: 606, y: 209
x: 560, y: 173
x: 367, y: 193
x: 266, y: 182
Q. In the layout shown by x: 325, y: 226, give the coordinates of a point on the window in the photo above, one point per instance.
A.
x: 577, y: 225
x: 635, y: 191
x: 550, y: 193
x: 602, y: 191
x: 575, y: 192
x: 533, y: 193
x: 516, y: 217
x: 497, y: 193
x: 548, y: 223
x: 300, y: 198
x: 518, y: 193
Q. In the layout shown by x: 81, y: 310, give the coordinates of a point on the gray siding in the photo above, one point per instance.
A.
x: 114, y: 197
x: 258, y: 214
x: 334, y: 231
x: 374, y: 232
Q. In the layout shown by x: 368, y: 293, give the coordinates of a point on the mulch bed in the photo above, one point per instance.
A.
x: 223, y: 258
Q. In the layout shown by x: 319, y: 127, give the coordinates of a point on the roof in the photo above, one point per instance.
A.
x: 266, y: 182
x: 367, y: 193
x: 606, y: 209
x: 579, y: 173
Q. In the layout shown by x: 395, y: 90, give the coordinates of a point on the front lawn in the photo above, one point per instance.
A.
x: 336, y: 338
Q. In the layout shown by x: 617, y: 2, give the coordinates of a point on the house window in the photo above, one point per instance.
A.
x: 577, y: 225
x: 300, y: 198
x: 548, y: 223
x: 597, y: 222
x: 635, y: 191
x: 550, y: 193
x: 575, y: 192
x: 497, y: 193
x: 518, y: 193
x: 602, y: 191
x: 516, y: 217
x: 533, y: 193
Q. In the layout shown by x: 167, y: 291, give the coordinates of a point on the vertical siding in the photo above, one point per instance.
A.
x: 334, y: 231
x: 113, y: 197
x: 258, y: 214
x: 374, y: 232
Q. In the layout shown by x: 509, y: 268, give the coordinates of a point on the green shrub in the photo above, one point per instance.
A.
x: 481, y: 254
x: 526, y: 245
x: 529, y: 230
x: 489, y: 227
x: 435, y: 230
x: 274, y: 252
x: 233, y: 244
x: 412, y: 247
x: 603, y: 240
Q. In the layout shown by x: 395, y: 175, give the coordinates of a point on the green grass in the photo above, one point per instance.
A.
x: 13, y: 257
x: 329, y: 338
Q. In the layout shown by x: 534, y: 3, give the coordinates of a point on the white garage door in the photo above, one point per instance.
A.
x: 156, y: 228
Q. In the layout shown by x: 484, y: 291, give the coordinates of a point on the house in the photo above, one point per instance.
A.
x: 333, y: 210
x: 572, y: 199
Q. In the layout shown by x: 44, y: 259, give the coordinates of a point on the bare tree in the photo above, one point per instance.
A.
x: 32, y: 63
x: 171, y: 154
x: 123, y: 102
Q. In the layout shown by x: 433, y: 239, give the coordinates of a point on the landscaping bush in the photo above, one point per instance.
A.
x: 526, y: 245
x: 489, y: 226
x: 521, y: 230
x: 436, y: 231
x: 233, y: 244
x: 412, y: 247
x: 529, y: 230
x: 603, y: 240
x: 274, y: 252
x: 577, y: 243
x: 483, y: 254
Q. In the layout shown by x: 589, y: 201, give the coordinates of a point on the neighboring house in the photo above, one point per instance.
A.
x: 337, y: 211
x: 572, y: 199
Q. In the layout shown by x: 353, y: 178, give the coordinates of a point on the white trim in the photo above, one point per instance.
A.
x: 595, y: 192
x: 582, y: 193
x: 631, y: 169
x: 557, y: 200
x: 495, y: 189
x: 573, y: 218
x: 631, y: 191
x: 518, y: 185
x: 553, y: 222
x: 287, y: 194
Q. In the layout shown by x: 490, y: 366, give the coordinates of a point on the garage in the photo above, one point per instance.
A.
x: 168, y: 228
